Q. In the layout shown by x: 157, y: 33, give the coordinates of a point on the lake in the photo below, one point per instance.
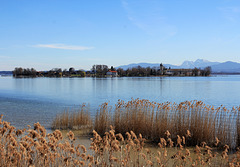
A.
x: 28, y: 100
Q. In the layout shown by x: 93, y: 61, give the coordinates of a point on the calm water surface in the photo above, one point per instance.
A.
x: 26, y: 101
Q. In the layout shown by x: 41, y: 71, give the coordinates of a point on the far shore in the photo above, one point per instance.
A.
x: 212, y: 74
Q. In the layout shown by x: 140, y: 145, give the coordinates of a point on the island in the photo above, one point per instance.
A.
x: 105, y: 71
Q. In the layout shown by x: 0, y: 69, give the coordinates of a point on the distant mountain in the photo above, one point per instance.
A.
x: 151, y: 65
x: 217, y: 67
x: 199, y: 63
x: 226, y: 67
x: 5, y: 72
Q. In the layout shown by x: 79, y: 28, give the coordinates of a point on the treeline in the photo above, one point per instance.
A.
x: 156, y: 71
x: 55, y: 72
x: 105, y: 71
x: 58, y: 72
x: 24, y: 72
x: 138, y: 71
x: 101, y: 71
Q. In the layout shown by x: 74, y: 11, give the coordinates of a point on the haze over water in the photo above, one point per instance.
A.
x: 30, y: 100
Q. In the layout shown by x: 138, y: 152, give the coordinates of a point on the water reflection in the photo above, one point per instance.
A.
x: 39, y: 99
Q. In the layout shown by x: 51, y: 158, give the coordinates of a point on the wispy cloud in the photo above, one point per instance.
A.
x: 4, y: 57
x: 230, y: 13
x: 63, y: 46
x: 147, y: 16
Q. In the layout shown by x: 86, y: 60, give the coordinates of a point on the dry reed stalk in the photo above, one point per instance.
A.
x: 153, y: 119
x: 238, y: 127
x: 79, y: 119
x: 33, y: 147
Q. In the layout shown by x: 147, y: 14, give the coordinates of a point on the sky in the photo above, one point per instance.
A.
x: 50, y: 34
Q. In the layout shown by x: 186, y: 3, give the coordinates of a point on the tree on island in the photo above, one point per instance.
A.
x: 121, y: 72
x: 207, y: 71
x: 112, y: 68
x: 24, y: 72
x: 99, y: 70
x: 71, y: 70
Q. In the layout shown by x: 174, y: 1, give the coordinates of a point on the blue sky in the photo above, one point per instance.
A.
x: 79, y: 33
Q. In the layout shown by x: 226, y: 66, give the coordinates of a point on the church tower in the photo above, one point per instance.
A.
x: 161, y: 69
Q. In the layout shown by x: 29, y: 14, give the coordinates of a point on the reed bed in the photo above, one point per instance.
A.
x: 238, y: 130
x: 153, y: 119
x: 78, y: 119
x: 33, y: 147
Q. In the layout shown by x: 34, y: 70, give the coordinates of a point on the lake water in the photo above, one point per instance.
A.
x: 29, y: 100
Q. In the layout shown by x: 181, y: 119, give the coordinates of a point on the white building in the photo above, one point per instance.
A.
x: 112, y: 73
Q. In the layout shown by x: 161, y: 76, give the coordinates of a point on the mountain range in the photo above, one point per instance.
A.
x: 217, y: 67
x: 5, y: 72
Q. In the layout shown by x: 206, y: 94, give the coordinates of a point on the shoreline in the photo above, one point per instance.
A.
x: 213, y: 74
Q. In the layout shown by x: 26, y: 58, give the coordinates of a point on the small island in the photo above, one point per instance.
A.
x: 104, y: 71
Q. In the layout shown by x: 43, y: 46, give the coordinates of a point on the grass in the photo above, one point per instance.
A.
x: 76, y: 120
x: 33, y: 147
x: 238, y: 129
x: 152, y: 120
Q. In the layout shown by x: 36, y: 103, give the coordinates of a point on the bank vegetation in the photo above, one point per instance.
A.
x: 34, y: 147
x: 105, y: 71
x: 152, y: 120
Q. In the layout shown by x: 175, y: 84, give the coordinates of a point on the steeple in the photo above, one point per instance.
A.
x: 161, y: 69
